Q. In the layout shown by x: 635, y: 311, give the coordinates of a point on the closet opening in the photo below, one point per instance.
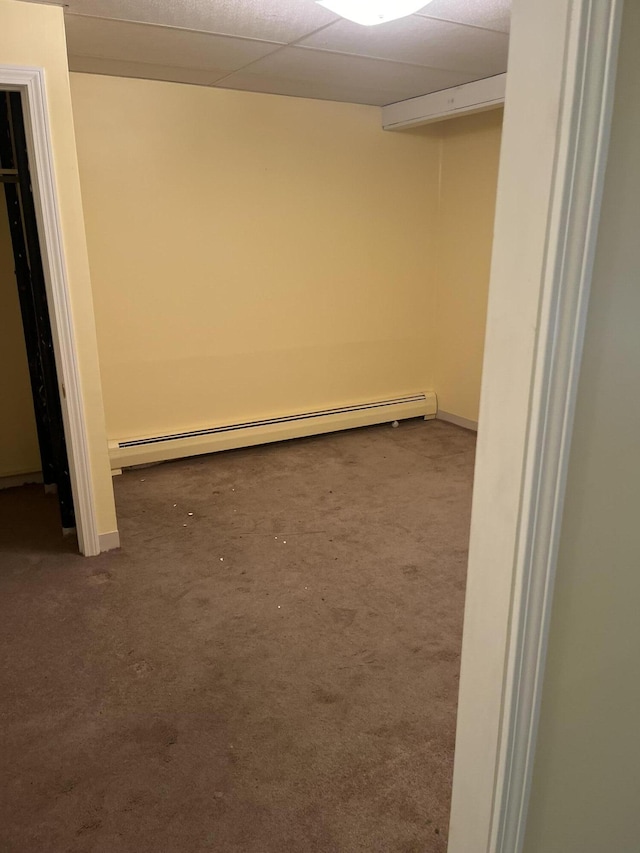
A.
x: 22, y: 244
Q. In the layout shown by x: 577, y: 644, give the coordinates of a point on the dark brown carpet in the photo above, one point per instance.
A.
x: 269, y: 665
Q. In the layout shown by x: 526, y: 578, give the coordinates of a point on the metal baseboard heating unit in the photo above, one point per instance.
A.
x: 139, y: 451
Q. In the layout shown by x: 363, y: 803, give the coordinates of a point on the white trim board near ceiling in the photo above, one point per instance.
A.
x: 473, y: 97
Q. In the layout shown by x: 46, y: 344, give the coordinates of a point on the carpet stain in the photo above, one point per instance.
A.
x: 89, y: 826
x: 142, y: 668
x: 343, y: 615
x: 326, y: 697
x: 99, y: 578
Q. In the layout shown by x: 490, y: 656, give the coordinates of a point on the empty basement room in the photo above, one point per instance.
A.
x: 273, y: 229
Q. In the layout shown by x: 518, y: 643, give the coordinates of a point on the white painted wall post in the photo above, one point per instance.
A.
x: 557, y: 116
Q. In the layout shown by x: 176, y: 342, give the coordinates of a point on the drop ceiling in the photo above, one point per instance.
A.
x: 289, y: 47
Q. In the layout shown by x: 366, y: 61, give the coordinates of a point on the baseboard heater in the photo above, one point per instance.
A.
x: 139, y: 451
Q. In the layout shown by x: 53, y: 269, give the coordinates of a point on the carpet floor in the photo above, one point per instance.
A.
x: 268, y: 665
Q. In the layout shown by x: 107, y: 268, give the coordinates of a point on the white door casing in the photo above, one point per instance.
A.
x: 557, y: 116
x: 30, y: 82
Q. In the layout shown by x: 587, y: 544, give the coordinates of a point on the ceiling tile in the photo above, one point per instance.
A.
x: 144, y: 70
x: 164, y: 46
x: 338, y: 77
x: 238, y: 44
x: 421, y: 41
x: 492, y: 14
x: 272, y: 20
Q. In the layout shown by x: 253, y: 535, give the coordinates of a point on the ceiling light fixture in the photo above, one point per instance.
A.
x: 370, y: 12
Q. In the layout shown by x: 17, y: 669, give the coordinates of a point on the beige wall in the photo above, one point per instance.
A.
x: 19, y: 453
x: 33, y: 35
x: 587, y: 771
x: 258, y: 255
x: 469, y: 175
x: 252, y: 255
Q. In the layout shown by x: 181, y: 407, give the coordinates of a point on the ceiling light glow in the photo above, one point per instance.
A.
x: 370, y: 12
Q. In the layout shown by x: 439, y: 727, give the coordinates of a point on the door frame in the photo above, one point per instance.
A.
x: 30, y: 82
x: 559, y: 98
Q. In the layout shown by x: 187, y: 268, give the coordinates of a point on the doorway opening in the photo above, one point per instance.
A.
x: 16, y: 182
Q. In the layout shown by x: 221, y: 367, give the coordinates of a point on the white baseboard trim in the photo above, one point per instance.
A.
x: 457, y: 420
x: 124, y: 453
x: 109, y: 541
x: 14, y: 480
